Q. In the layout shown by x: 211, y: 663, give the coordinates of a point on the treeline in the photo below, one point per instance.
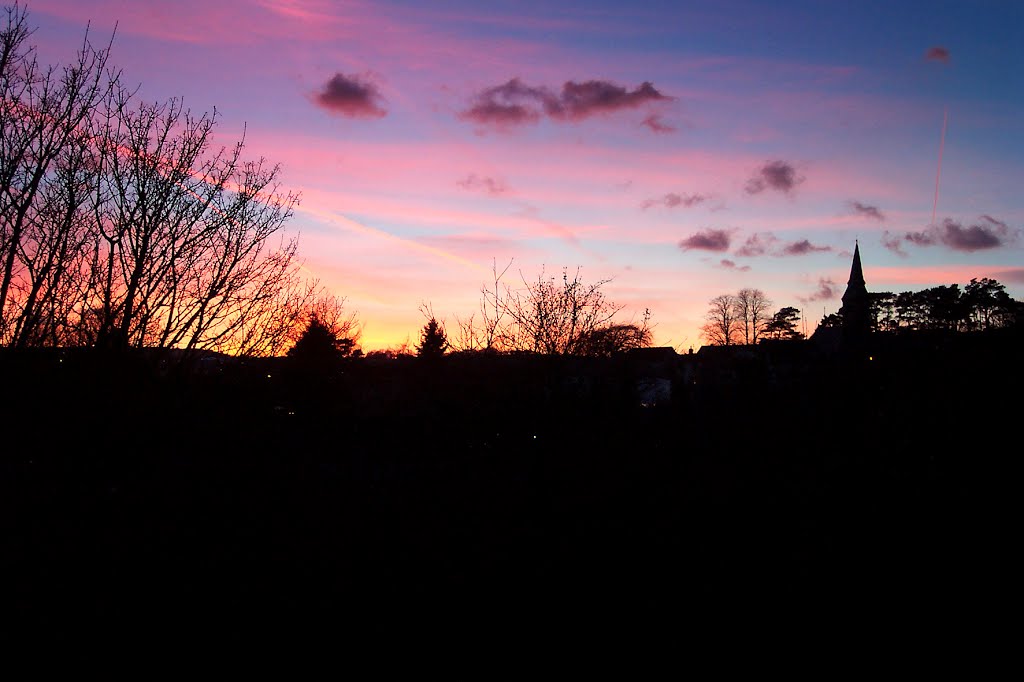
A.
x: 745, y: 318
x: 981, y: 305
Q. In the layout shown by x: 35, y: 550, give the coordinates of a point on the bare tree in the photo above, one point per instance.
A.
x: 45, y: 117
x: 723, y: 326
x: 185, y: 256
x: 752, y: 311
x: 549, y: 316
x: 121, y: 224
x: 484, y: 334
x: 555, y: 318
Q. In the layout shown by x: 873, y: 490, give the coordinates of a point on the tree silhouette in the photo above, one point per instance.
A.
x: 783, y: 325
x: 123, y: 225
x: 545, y: 316
x: 752, y: 312
x: 433, y: 340
x: 988, y: 304
x: 831, y: 321
x: 320, y: 344
x: 616, y: 338
x: 724, y: 325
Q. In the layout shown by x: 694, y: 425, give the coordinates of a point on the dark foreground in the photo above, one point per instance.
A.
x: 453, y: 504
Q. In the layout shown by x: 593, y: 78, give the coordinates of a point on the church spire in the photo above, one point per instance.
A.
x: 856, y: 272
x: 856, y: 302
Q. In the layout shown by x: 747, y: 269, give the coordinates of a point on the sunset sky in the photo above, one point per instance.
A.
x: 680, y: 149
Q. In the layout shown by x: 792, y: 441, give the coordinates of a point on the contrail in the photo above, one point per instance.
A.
x: 938, y: 172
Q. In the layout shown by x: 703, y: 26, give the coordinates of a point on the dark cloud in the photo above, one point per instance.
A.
x: 756, y: 245
x: 774, y: 175
x: 827, y: 290
x: 515, y: 103
x: 937, y: 54
x: 511, y: 103
x: 671, y: 200
x: 707, y: 240
x: 866, y: 211
x: 987, y: 233
x: 580, y: 100
x: 478, y: 183
x: 924, y: 238
x: 972, y: 237
x: 656, y: 124
x: 727, y: 264
x: 500, y: 115
x: 802, y: 247
x: 353, y: 96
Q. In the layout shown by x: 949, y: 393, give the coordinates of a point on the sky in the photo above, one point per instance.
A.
x: 678, y: 150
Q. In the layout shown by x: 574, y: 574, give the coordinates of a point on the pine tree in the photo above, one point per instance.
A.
x: 433, y: 340
x: 319, y: 343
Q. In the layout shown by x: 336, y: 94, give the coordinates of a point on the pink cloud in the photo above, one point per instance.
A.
x: 483, y: 183
x: 655, y: 123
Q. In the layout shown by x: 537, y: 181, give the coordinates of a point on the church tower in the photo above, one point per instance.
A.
x: 856, y: 311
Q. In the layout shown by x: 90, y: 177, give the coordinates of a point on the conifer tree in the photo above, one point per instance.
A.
x: 433, y: 340
x: 319, y: 343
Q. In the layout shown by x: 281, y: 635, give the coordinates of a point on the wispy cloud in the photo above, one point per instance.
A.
x: 352, y: 96
x: 483, y: 183
x: 866, y: 211
x: 987, y: 233
x: 672, y: 199
x: 1015, y: 275
x: 657, y: 124
x: 757, y: 245
x: 765, y: 243
x: 707, y: 240
x: 802, y: 248
x: 515, y: 103
x: 937, y: 53
x: 727, y: 264
x: 893, y: 243
x: 780, y: 176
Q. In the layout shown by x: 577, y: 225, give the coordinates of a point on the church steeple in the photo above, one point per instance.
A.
x: 856, y: 304
x: 856, y: 272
